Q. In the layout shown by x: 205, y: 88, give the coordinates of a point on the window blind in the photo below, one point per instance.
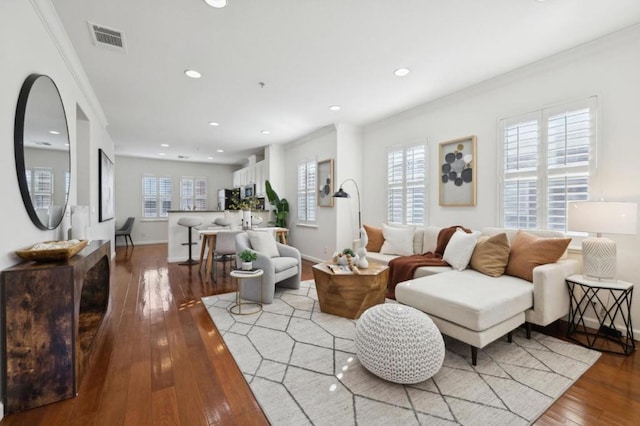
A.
x: 548, y: 157
x: 406, y: 182
x: 156, y: 194
x: 307, y: 184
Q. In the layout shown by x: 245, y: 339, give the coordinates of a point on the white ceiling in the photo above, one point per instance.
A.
x: 310, y: 54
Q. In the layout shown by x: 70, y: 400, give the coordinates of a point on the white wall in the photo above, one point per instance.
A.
x: 28, y: 47
x: 608, y: 68
x: 128, y: 191
x: 348, y: 165
x: 318, y: 241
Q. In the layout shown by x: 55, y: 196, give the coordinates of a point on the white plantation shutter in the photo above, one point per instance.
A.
x: 165, y: 191
x: 156, y: 195
x: 548, y: 159
x: 307, y: 182
x: 193, y: 193
x: 200, y: 193
x: 406, y: 181
x: 42, y: 185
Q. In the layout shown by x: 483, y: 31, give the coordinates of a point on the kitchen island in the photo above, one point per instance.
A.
x: 176, y: 234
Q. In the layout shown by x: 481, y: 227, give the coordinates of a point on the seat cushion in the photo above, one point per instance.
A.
x: 468, y: 298
x: 283, y: 263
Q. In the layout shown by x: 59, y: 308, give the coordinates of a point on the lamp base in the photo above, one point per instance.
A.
x: 599, y: 258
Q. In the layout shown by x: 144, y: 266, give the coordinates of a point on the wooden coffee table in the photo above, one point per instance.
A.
x: 349, y: 295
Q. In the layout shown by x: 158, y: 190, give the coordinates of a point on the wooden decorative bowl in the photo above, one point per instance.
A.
x: 51, y: 255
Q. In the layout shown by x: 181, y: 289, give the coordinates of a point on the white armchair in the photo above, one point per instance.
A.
x: 281, y: 265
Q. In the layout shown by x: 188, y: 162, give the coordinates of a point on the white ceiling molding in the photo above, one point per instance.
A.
x: 47, y: 14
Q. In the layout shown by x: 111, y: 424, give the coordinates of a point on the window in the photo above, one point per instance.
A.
x: 193, y: 193
x: 406, y: 183
x: 40, y: 182
x: 307, y: 191
x: 548, y: 159
x: 156, y: 195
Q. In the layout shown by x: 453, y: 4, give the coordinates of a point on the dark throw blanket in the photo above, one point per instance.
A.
x: 402, y: 268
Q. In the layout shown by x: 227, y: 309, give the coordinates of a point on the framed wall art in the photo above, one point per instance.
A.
x: 457, y: 166
x: 325, y: 183
x: 106, y: 197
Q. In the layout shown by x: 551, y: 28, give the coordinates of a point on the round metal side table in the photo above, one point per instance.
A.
x: 240, y: 276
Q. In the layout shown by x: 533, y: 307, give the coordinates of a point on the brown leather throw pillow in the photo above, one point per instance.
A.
x: 376, y: 239
x: 529, y: 251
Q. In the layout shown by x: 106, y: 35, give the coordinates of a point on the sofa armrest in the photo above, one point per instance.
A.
x: 550, y: 294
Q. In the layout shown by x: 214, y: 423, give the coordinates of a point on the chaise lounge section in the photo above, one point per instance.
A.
x: 476, y: 308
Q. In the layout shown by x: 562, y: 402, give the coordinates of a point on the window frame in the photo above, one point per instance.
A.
x: 308, y: 191
x: 157, y: 196
x: 404, y: 185
x: 190, y: 202
x: 543, y: 172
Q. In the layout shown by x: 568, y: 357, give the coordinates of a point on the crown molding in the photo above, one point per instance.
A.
x: 52, y: 23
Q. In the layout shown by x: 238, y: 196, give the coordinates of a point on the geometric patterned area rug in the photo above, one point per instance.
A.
x: 301, y: 365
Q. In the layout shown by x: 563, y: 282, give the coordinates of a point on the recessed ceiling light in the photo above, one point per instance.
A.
x: 220, y: 150
x: 216, y: 3
x: 192, y: 73
x: 214, y: 123
x: 334, y: 107
x: 164, y: 145
x: 401, y: 72
x: 265, y: 132
x: 66, y: 144
x: 161, y: 153
x: 54, y: 132
x: 210, y: 158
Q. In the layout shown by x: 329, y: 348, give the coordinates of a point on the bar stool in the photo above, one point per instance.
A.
x: 190, y: 222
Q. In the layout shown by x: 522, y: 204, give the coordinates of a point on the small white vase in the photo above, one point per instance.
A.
x: 362, y: 261
x: 247, y: 266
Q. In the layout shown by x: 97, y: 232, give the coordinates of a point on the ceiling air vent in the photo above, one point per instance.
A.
x: 107, y: 37
x: 183, y: 157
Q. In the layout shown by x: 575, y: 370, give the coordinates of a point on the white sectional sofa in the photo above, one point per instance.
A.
x: 476, y: 308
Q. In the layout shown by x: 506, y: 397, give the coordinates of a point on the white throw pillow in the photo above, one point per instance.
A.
x: 430, y: 239
x: 459, y: 249
x: 397, y: 241
x: 264, y: 243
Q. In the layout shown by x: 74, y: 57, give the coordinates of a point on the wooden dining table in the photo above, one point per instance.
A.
x: 209, y: 240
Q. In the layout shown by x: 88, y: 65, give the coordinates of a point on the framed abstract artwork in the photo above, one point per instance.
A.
x: 325, y: 183
x: 457, y: 166
x: 106, y: 172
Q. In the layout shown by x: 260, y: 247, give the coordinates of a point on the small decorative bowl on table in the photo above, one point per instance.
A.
x: 52, y: 251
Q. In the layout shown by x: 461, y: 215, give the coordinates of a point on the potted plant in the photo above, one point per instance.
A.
x: 247, y: 257
x: 280, y: 204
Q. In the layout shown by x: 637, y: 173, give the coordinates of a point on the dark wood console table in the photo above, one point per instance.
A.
x: 52, y: 313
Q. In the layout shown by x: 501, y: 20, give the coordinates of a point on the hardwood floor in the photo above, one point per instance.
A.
x: 162, y: 362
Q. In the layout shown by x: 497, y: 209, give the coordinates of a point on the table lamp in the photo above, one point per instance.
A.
x: 599, y: 253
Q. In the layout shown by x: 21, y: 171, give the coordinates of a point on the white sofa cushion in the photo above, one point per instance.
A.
x: 459, y: 249
x: 430, y: 240
x: 397, y: 241
x: 263, y: 242
x: 471, y: 299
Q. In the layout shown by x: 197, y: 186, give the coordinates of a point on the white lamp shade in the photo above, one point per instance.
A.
x: 216, y: 3
x: 602, y: 217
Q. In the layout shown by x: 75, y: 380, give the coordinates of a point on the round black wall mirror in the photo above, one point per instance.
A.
x: 42, y: 151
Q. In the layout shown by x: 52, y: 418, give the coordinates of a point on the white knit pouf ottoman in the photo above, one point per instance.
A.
x: 399, y: 343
